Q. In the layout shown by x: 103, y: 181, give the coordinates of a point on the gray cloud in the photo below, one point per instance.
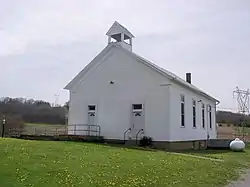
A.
x: 46, y: 43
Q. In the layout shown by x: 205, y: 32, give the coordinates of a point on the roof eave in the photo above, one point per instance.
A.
x: 67, y: 87
x: 209, y: 97
x: 200, y: 92
x: 126, y: 31
x: 86, y: 68
x: 172, y: 78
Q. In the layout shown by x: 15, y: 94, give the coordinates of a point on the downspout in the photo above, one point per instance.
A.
x: 207, y: 115
x: 217, y: 103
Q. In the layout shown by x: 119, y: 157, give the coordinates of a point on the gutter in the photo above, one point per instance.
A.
x: 217, y: 102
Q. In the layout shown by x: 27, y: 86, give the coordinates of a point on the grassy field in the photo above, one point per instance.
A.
x: 224, y: 132
x: 43, y: 125
x: 230, y: 131
x: 236, y: 159
x: 44, y: 129
x: 43, y: 163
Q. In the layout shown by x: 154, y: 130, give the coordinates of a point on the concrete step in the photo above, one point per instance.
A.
x: 218, y: 143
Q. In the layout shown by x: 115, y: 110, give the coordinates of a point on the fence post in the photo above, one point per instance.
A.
x: 75, y: 129
x: 56, y: 131
x: 3, y: 123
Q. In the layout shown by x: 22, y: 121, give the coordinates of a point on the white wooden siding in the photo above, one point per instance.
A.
x: 178, y: 133
x: 133, y: 83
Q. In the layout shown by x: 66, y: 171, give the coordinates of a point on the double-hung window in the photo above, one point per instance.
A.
x: 210, y: 116
x: 194, y: 113
x: 182, y: 111
x: 203, y: 115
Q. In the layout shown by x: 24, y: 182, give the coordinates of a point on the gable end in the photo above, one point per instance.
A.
x: 88, y: 67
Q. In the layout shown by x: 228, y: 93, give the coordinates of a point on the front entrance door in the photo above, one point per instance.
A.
x: 91, y: 120
x: 137, y: 120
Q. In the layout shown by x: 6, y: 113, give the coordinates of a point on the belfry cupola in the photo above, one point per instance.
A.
x: 120, y: 35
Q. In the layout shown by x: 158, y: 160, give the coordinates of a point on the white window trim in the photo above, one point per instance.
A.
x: 203, y: 117
x: 137, y: 110
x: 194, y: 106
x: 210, y: 116
x: 92, y: 110
x: 182, y: 102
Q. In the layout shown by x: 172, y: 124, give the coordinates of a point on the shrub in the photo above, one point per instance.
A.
x: 146, y: 141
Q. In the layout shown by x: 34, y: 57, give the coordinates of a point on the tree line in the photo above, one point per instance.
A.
x: 32, y: 111
x: 232, y: 118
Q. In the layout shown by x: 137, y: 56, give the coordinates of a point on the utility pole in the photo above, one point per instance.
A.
x: 56, y: 100
x: 243, y: 105
x: 3, y: 124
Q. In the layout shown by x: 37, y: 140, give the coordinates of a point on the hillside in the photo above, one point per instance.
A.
x: 32, y: 111
x: 231, y: 118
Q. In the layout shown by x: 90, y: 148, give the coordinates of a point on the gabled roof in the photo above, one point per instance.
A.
x: 151, y: 65
x: 168, y: 74
x: 88, y: 67
x: 117, y: 28
x: 173, y: 77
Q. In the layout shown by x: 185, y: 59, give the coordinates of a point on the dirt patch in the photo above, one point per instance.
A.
x: 243, y: 181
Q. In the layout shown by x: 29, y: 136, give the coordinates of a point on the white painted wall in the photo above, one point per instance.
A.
x: 133, y: 83
x: 125, y: 45
x: 178, y: 133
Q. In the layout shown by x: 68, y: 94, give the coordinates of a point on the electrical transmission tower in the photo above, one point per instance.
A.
x: 242, y: 97
x: 56, y: 100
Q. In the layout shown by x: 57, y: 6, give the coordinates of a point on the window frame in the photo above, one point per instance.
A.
x: 91, y: 107
x: 182, y: 102
x: 194, y: 113
x: 203, y: 115
x: 210, y: 116
x: 137, y: 106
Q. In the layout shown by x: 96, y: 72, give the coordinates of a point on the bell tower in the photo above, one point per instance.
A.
x: 120, y: 35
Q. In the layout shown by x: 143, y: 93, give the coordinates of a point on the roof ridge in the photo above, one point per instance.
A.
x: 168, y: 73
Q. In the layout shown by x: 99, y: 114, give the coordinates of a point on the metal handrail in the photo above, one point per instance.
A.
x: 37, y: 131
x: 137, y: 135
x: 88, y: 130
x: 129, y: 129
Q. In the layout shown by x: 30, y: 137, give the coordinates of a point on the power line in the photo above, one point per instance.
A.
x: 243, y: 105
x: 243, y: 100
x: 56, y: 99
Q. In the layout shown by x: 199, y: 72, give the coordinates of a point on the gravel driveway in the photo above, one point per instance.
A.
x: 244, y: 181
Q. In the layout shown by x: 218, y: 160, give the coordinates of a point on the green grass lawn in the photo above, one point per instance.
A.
x: 43, y: 125
x: 65, y: 164
x: 42, y: 129
x: 238, y: 159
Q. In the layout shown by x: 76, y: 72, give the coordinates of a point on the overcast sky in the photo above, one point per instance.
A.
x: 44, y: 44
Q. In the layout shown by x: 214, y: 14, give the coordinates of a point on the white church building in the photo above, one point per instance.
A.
x: 126, y: 97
